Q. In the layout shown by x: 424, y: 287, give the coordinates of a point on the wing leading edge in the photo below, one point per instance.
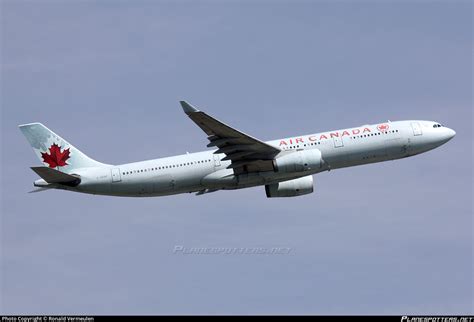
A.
x: 246, y: 153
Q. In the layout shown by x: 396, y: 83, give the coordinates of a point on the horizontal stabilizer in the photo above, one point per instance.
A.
x: 54, y: 176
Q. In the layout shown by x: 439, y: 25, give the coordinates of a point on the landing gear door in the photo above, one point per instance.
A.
x: 416, y: 128
x: 116, y: 175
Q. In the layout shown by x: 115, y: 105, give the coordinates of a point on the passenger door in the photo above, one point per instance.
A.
x: 416, y: 128
x: 116, y: 175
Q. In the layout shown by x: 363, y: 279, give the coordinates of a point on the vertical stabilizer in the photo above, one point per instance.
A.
x: 53, y: 151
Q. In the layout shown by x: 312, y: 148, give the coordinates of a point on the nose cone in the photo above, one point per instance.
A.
x: 446, y: 135
x: 451, y: 133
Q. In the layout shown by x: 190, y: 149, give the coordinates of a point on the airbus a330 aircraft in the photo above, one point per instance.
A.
x: 285, y: 167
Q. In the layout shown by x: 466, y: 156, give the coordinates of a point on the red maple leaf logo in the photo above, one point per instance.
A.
x: 382, y: 127
x: 56, y: 158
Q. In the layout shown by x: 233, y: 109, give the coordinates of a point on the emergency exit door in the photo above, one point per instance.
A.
x: 217, y: 160
x: 338, y: 143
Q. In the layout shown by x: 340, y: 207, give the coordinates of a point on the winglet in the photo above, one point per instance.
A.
x: 188, y: 108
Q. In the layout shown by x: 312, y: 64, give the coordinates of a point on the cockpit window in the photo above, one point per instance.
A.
x: 437, y: 125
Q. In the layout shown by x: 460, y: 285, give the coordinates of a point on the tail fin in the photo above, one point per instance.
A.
x: 53, y: 150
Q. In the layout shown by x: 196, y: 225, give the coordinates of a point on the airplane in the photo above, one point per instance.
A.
x: 284, y: 166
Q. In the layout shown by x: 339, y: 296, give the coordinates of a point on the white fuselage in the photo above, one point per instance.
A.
x: 206, y: 171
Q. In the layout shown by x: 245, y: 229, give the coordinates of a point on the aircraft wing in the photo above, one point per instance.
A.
x: 246, y: 153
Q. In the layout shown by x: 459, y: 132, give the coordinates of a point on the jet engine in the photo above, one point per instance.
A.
x: 290, y: 188
x: 298, y: 161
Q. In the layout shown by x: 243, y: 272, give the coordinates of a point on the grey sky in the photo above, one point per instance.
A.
x: 393, y: 238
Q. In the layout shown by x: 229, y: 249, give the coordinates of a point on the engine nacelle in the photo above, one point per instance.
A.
x: 290, y: 188
x: 298, y: 161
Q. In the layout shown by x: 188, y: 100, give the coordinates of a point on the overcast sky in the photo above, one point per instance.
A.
x: 391, y: 238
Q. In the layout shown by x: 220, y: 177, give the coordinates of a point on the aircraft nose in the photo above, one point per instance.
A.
x: 447, y: 134
x: 451, y: 133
